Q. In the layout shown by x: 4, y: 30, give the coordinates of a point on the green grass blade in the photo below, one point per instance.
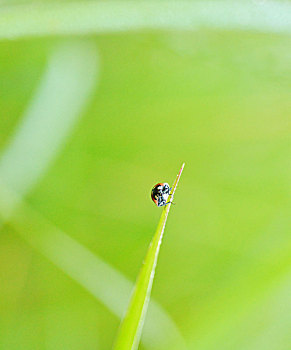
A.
x: 131, y: 326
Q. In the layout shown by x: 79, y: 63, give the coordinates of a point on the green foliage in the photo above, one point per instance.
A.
x: 218, y: 97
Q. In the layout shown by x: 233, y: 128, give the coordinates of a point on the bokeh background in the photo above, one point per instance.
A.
x: 88, y: 124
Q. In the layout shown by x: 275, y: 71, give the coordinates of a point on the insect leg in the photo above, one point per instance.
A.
x: 170, y: 203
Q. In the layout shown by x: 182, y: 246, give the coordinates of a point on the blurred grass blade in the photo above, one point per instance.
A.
x: 60, y: 98
x: 131, y: 326
x: 89, y: 17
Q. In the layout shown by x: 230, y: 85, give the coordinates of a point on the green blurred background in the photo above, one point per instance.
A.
x: 218, y: 100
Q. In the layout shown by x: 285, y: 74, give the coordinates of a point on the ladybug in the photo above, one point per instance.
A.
x: 160, y: 194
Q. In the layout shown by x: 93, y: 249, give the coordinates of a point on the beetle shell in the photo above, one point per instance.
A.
x: 160, y: 193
